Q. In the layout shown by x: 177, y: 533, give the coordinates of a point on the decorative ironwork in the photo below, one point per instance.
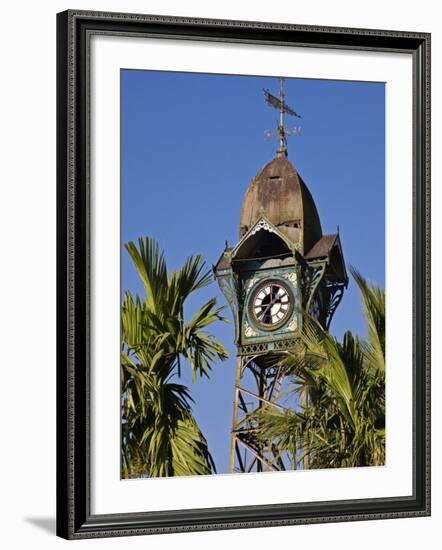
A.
x: 265, y: 347
x: 253, y: 348
x: 312, y: 277
x: 284, y: 345
x: 292, y: 326
x: 295, y: 131
x: 229, y: 287
x: 260, y: 225
x: 335, y: 294
x: 281, y: 105
x: 292, y: 277
x: 248, y: 331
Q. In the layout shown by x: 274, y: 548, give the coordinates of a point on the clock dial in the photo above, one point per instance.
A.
x: 271, y: 304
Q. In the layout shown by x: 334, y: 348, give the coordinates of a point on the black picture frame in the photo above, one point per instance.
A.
x: 74, y: 518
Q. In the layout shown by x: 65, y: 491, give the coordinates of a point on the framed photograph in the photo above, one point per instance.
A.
x: 243, y: 274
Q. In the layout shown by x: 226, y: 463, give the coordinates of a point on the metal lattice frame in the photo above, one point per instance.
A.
x: 262, y: 387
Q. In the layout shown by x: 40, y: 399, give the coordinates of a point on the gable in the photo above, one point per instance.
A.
x: 262, y: 240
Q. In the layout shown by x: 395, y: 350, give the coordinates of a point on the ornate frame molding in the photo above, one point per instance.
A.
x: 74, y: 29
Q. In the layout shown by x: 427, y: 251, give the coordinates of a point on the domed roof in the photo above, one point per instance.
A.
x: 279, y: 193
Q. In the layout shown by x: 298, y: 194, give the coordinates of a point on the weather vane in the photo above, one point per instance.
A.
x: 281, y: 132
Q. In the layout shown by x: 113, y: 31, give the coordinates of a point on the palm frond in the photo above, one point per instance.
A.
x: 160, y: 437
x: 373, y: 300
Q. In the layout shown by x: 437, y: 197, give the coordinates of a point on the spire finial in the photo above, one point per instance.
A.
x: 282, y: 151
x: 282, y: 133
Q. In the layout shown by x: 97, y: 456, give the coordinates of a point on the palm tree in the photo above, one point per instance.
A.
x: 343, y: 423
x: 160, y: 436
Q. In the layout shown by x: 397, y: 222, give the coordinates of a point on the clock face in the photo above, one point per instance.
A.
x: 271, y: 304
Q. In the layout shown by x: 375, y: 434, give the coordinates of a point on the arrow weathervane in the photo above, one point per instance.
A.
x: 282, y: 133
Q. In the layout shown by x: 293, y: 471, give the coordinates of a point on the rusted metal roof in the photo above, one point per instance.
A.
x: 322, y: 247
x: 223, y: 262
x: 329, y: 247
x: 279, y: 193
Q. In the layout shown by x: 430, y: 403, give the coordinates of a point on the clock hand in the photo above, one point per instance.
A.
x: 274, y: 300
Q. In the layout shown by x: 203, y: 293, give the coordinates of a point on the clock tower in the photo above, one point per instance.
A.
x: 281, y: 269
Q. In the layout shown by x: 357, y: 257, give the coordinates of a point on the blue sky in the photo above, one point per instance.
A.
x: 191, y: 143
